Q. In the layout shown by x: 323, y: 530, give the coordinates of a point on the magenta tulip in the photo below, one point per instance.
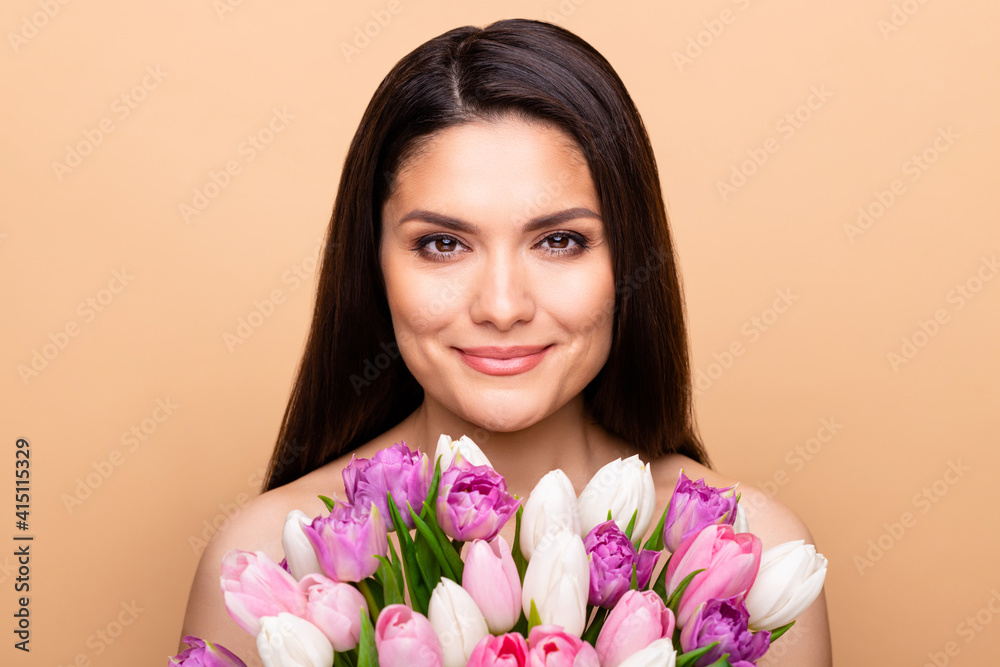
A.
x: 405, y: 638
x: 612, y: 557
x: 550, y: 646
x: 490, y: 577
x: 335, y: 609
x: 639, y: 618
x: 695, y: 505
x: 200, y: 653
x: 724, y: 621
x: 509, y: 650
x: 473, y: 503
x: 730, y: 560
x: 254, y: 586
x: 397, y: 470
x: 347, y: 541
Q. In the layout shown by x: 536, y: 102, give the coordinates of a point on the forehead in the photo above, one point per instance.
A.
x: 508, y: 163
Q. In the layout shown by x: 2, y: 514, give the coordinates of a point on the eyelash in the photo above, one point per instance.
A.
x: 421, y: 246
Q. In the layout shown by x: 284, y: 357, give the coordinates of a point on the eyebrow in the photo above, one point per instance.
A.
x: 536, y: 223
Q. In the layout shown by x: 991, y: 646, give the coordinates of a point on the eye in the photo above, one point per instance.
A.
x: 559, y: 243
x: 437, y: 247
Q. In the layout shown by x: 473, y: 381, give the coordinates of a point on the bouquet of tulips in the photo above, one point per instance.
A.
x: 576, y: 588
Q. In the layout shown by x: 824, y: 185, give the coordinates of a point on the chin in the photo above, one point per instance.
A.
x: 503, y: 416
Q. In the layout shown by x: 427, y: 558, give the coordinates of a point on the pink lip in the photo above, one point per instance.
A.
x: 512, y: 360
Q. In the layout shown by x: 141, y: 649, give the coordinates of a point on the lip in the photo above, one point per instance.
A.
x: 495, y: 360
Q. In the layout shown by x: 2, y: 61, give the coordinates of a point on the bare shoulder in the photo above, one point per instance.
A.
x: 770, y: 519
x: 257, y: 527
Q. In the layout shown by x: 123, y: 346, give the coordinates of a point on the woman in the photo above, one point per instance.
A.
x: 498, y: 264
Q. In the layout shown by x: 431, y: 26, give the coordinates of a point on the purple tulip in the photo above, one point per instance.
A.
x: 397, y: 470
x: 694, y: 506
x: 205, y: 654
x: 473, y: 503
x: 612, y: 556
x: 347, y: 541
x: 724, y: 621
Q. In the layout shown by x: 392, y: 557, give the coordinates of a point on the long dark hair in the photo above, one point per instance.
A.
x: 352, y: 384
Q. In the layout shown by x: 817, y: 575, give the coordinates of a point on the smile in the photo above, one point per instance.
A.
x: 503, y: 361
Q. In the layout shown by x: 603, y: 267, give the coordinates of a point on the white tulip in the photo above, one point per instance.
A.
x: 286, y: 640
x: 447, y: 449
x: 622, y: 487
x: 457, y: 620
x: 299, y: 552
x: 550, y: 508
x: 558, y: 580
x: 658, y: 653
x: 790, y: 578
x: 741, y: 525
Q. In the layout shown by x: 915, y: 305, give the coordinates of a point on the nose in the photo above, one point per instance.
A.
x: 502, y: 293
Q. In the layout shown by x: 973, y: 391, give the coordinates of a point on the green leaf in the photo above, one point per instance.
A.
x: 367, y: 653
x: 722, y: 662
x: 688, y: 659
x: 330, y: 503
x: 594, y: 629
x: 519, y: 560
x: 366, y: 591
x: 674, y: 600
x: 631, y: 524
x: 419, y: 595
x: 660, y: 586
x: 424, y: 531
x: 655, y: 541
x: 449, y: 551
x: 635, y: 580
x: 609, y: 516
x: 391, y: 589
x: 430, y: 568
x: 533, y: 617
x: 777, y: 632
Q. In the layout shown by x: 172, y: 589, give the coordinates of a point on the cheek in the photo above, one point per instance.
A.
x: 421, y: 304
x: 583, y: 302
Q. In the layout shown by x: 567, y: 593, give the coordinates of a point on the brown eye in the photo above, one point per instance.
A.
x: 558, y: 241
x: 444, y: 244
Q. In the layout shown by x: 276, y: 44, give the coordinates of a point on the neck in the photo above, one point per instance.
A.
x: 568, y: 439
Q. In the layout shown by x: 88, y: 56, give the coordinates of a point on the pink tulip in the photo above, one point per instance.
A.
x: 639, y: 618
x: 490, y: 576
x: 731, y: 561
x: 335, y: 609
x: 509, y: 650
x: 405, y: 638
x: 254, y: 586
x: 549, y: 646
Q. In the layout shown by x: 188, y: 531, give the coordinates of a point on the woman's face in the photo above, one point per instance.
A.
x: 493, y: 239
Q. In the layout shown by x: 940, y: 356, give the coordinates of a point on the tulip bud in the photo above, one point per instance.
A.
x: 405, y: 638
x: 300, y: 556
x: 730, y: 561
x: 790, y: 578
x: 473, y: 502
x: 695, y: 505
x: 200, y: 653
x: 508, y: 650
x: 624, y: 487
x: 638, y: 619
x: 558, y: 580
x: 335, y: 609
x: 397, y: 470
x: 289, y: 641
x: 347, y: 542
x: 490, y: 576
x: 550, y: 646
x: 550, y: 508
x: 660, y: 653
x: 254, y: 586
x: 723, y: 622
x: 457, y: 620
x: 463, y: 448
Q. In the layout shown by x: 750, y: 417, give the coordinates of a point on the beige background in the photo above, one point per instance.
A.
x: 891, y: 429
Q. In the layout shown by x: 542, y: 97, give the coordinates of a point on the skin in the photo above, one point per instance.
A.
x: 496, y: 284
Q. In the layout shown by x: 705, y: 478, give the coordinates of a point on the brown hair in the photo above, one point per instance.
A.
x: 351, y: 384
